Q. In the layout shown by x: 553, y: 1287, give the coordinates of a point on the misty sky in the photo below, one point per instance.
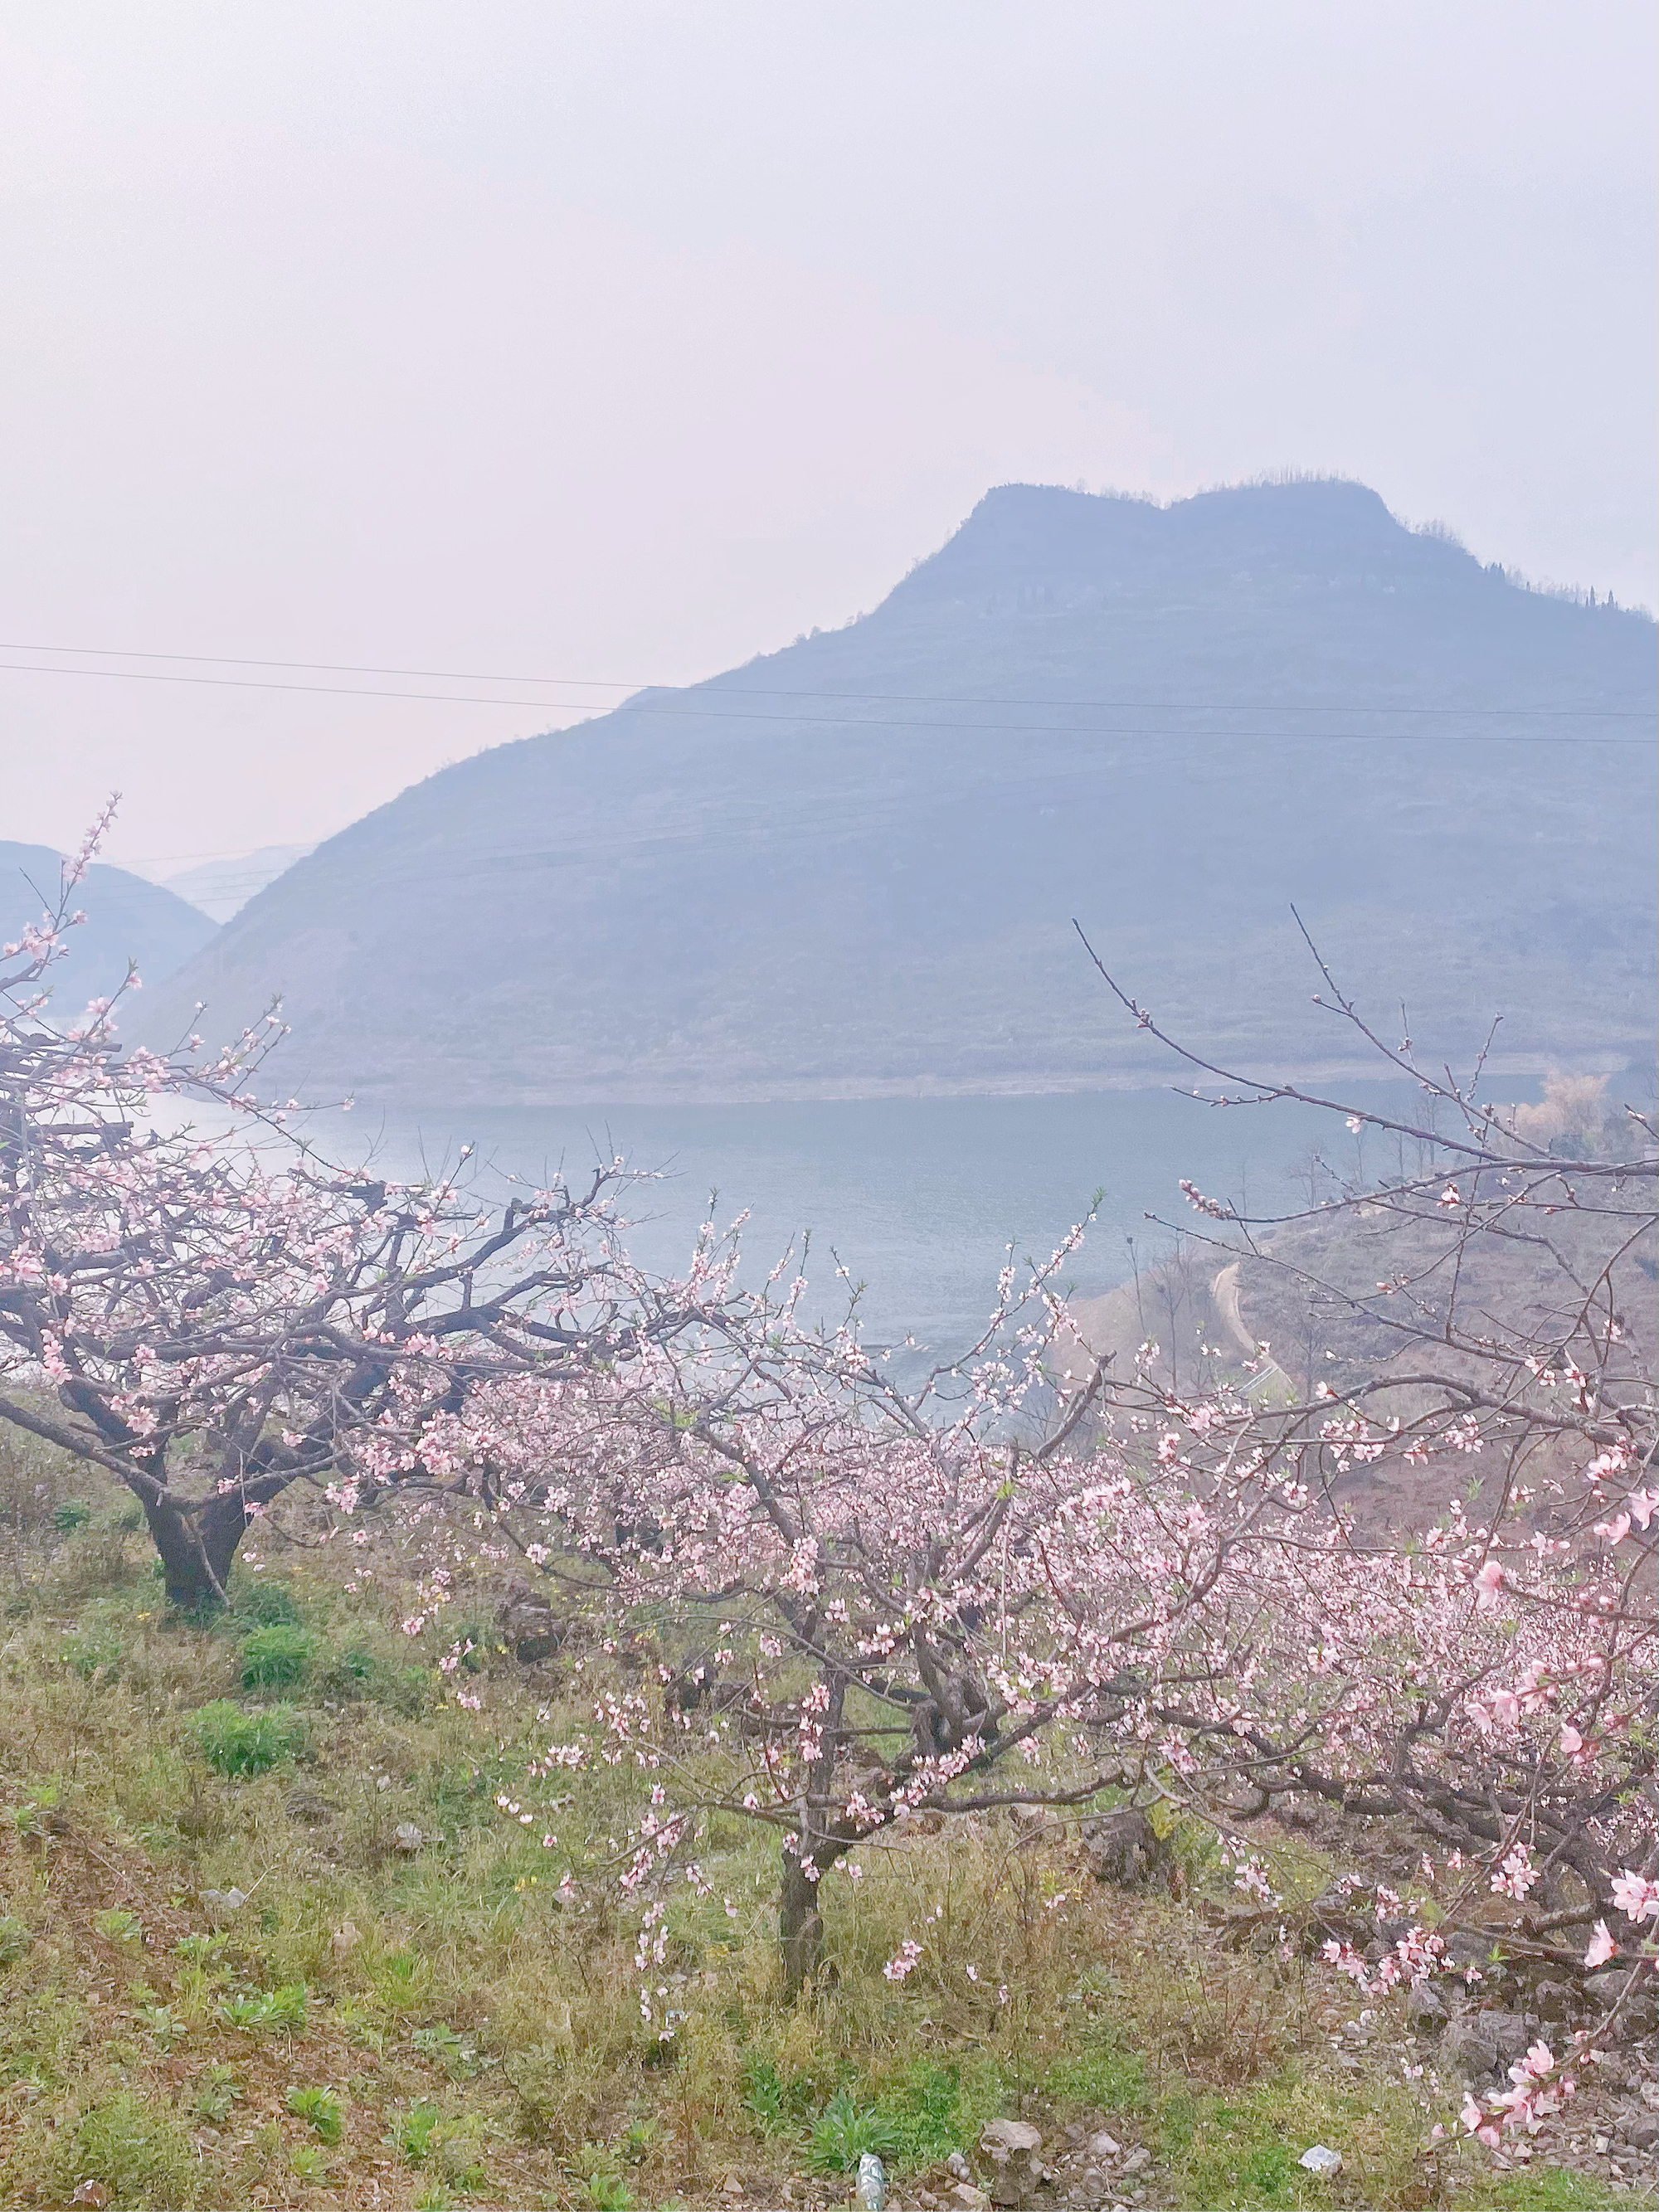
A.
x: 624, y: 340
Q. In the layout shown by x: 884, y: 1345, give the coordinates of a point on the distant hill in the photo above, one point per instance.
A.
x: 850, y: 867
x: 126, y: 918
x: 223, y: 888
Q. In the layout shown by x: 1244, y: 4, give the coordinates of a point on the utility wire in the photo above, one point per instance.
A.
x: 748, y: 690
x: 913, y: 722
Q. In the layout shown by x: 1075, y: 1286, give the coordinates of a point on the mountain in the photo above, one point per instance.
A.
x: 850, y: 868
x: 223, y: 888
x: 126, y: 918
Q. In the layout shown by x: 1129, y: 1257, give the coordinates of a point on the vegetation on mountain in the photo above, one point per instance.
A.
x: 850, y: 868
x: 128, y: 920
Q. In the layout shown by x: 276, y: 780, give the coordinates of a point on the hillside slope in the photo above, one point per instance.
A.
x: 851, y: 867
x: 127, y: 919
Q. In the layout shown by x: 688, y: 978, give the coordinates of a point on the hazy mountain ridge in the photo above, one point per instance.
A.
x: 222, y: 887
x: 127, y: 918
x: 850, y: 867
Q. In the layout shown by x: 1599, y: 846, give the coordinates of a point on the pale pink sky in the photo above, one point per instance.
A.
x: 624, y: 340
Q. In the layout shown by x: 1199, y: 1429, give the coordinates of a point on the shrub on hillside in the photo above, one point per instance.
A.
x: 264, y: 1604
x: 277, y: 1657
x: 235, y: 1743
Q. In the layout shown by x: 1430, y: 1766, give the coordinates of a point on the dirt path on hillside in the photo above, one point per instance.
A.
x: 1223, y: 1297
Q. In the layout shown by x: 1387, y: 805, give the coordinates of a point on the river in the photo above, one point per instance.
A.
x: 917, y: 1198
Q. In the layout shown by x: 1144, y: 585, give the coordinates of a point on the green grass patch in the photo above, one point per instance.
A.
x: 257, y: 1602
x: 235, y: 1743
x: 134, y: 2148
x: 1103, y: 2071
x: 1554, y: 2191
x: 277, y: 1657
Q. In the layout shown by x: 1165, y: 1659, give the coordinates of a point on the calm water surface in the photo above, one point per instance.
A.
x: 918, y: 1197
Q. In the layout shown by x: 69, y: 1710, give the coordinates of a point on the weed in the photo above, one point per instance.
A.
x: 203, y: 1952
x: 319, y: 2109
x: 422, y: 2136
x: 74, y: 1513
x: 33, y: 1815
x: 272, y: 2012
x: 15, y: 1940
x: 215, y: 2093
x: 94, y: 1651
x: 262, y: 1603
x: 278, y: 1656
x: 135, y: 2151
x: 763, y: 2096
x: 162, y: 2025
x: 607, y: 2192
x: 636, y: 2138
x: 404, y: 1980
x: 412, y: 2131
x: 843, y: 2131
x: 117, y: 1925
x: 457, y: 2054
x: 234, y: 1743
x: 307, y: 2163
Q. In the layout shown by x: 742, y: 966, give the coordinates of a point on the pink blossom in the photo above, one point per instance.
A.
x: 1601, y: 1946
x: 1488, y: 1582
x: 1637, y: 1896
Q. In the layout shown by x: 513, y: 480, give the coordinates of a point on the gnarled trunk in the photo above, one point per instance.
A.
x: 197, y: 1548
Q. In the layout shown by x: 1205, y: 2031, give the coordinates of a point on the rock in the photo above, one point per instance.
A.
x: 1464, y: 1949
x: 1639, y: 2128
x: 1101, y: 2146
x: 528, y: 1625
x: 1606, y: 1987
x: 1514, y: 2032
x: 1037, y: 1819
x: 1009, y: 2137
x: 1137, y: 2162
x: 90, y: 2192
x: 1012, y: 2146
x: 220, y: 1905
x: 305, y: 1805
x: 959, y: 2166
x: 1124, y: 1849
x: 407, y: 1837
x: 732, y: 2185
x: 1470, y: 2045
x: 344, y: 1940
x: 1320, y: 2159
x: 1425, y: 2008
x: 1554, y: 2000
x: 967, y: 2198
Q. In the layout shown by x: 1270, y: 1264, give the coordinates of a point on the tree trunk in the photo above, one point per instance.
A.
x: 801, y: 1926
x: 196, y: 1549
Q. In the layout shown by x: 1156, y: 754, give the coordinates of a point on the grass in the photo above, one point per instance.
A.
x: 235, y: 1743
x: 449, y: 2023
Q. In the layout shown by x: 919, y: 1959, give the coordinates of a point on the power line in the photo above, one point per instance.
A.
x: 257, y: 683
x: 916, y: 722
x: 746, y: 690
